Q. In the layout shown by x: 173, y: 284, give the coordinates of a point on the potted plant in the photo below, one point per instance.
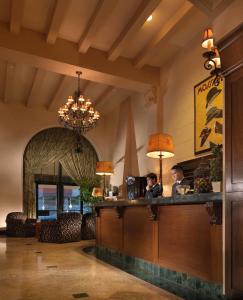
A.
x: 88, y: 219
x: 216, y: 168
x: 86, y: 187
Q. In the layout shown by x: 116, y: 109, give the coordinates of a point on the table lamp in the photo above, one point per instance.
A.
x: 104, y: 168
x: 160, y: 146
x: 97, y: 192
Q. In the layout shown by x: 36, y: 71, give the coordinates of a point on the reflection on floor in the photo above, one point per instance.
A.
x: 30, y: 270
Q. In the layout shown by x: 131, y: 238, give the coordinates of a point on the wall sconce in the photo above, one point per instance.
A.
x: 212, y: 62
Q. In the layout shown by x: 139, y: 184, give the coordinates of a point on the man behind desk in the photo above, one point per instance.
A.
x: 178, y: 176
x: 153, y: 189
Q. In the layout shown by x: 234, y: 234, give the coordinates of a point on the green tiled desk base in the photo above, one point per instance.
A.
x: 180, y: 284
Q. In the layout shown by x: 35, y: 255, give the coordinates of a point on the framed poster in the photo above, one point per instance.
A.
x: 208, y: 115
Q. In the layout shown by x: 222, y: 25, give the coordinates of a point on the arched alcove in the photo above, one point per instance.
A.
x: 55, y: 147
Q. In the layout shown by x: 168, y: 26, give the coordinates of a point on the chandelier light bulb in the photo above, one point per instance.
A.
x: 96, y: 115
x: 81, y: 98
x: 70, y: 99
x: 88, y: 102
x: 75, y: 107
x: 91, y: 110
x: 83, y: 108
x: 65, y: 108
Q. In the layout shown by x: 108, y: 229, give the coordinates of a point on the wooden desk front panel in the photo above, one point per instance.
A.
x: 110, y: 229
x: 182, y: 239
x: 188, y: 243
x: 138, y: 233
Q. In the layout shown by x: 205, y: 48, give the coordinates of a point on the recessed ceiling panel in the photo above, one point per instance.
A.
x: 112, y: 28
x: 76, y: 19
x: 49, y: 85
x: 38, y: 14
x: 22, y: 82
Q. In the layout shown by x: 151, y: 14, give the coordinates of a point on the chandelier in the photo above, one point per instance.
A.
x: 212, y: 62
x: 78, y: 113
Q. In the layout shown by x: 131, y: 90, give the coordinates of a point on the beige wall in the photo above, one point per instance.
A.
x: 17, y: 125
x: 178, y: 105
x: 175, y: 116
x: 144, y: 123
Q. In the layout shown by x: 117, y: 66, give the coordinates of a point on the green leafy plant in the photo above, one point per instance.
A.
x: 86, y: 187
x: 216, y: 164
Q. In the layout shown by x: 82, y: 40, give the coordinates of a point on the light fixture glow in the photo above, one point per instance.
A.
x: 212, y: 56
x: 150, y: 18
x: 78, y: 113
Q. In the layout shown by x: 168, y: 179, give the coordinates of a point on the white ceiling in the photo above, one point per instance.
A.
x: 171, y: 28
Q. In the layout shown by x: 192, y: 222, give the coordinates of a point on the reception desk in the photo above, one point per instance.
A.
x: 179, y: 237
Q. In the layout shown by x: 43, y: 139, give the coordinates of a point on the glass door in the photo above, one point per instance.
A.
x: 46, y: 201
x: 71, y: 198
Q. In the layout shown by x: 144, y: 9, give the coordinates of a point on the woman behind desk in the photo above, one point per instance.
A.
x: 153, y: 189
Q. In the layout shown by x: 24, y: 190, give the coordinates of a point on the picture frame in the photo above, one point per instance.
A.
x: 208, y: 115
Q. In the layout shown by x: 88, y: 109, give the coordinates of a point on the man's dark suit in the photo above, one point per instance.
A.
x: 183, y: 181
x: 154, y: 192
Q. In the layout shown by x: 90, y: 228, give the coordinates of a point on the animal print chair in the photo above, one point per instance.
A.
x: 88, y: 227
x: 67, y: 228
x: 18, y: 225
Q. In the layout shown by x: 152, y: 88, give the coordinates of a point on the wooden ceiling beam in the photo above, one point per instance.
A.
x: 144, y: 10
x: 16, y: 15
x: 211, y: 9
x: 203, y: 5
x: 9, y: 79
x: 98, y: 18
x: 164, y: 32
x: 59, y: 14
x: 36, y: 86
x: 30, y: 47
x: 220, y: 6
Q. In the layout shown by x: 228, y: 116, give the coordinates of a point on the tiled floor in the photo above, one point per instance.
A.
x: 30, y: 270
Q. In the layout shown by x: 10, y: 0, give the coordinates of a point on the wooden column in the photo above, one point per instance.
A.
x: 231, y: 49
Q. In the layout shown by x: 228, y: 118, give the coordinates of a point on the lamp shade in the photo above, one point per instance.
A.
x: 104, y: 168
x: 207, y: 39
x: 160, y: 144
x: 97, y: 192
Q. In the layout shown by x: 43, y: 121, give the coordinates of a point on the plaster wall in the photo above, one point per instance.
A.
x: 17, y: 126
